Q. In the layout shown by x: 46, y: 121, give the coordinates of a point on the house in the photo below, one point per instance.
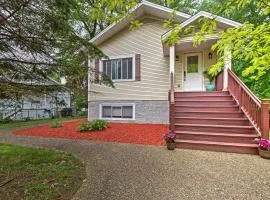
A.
x: 35, y: 107
x: 144, y: 70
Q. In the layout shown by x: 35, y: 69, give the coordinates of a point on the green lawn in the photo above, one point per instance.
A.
x: 29, y: 173
x: 15, y: 124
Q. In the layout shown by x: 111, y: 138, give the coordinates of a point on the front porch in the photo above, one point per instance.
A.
x: 229, y: 120
x: 187, y: 64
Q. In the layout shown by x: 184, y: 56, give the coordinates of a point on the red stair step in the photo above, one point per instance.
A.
x: 205, y: 114
x: 226, y: 97
x: 218, y: 146
x: 215, y: 128
x: 217, y: 137
x: 206, y: 108
x: 190, y: 94
x: 205, y: 102
x: 212, y: 120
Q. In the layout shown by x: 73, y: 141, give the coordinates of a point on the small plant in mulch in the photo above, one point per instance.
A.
x: 95, y: 125
x: 85, y: 126
x: 264, y: 148
x: 169, y: 138
x: 56, y: 124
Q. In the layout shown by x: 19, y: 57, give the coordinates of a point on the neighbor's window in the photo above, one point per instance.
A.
x: 117, y: 112
x: 119, y: 69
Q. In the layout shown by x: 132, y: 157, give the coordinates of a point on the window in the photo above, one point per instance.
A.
x: 119, y: 69
x: 117, y: 111
x: 192, y: 64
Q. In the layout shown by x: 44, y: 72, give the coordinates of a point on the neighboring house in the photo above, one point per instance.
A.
x: 143, y: 68
x: 35, y: 107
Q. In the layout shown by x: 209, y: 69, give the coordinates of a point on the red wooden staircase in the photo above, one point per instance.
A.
x: 228, y: 121
x: 212, y: 121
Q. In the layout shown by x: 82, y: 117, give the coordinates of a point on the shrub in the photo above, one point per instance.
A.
x: 56, y: 124
x: 66, y: 112
x: 98, y: 125
x: 84, y: 127
x: 95, y: 125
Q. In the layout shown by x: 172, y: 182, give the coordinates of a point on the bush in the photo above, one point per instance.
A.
x: 98, y: 125
x: 95, y: 125
x: 84, y: 127
x: 56, y: 124
x: 66, y: 112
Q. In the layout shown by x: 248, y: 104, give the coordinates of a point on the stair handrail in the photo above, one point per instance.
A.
x: 254, y: 108
x: 172, y: 104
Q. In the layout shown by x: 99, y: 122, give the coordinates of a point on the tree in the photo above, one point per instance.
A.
x: 51, y: 38
x: 250, y: 46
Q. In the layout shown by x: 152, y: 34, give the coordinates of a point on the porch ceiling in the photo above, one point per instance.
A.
x: 186, y: 45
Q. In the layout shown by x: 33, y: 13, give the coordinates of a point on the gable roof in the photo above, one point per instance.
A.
x: 142, y: 8
x: 224, y: 21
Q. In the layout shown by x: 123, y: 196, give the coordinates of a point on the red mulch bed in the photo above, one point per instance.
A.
x: 148, y: 134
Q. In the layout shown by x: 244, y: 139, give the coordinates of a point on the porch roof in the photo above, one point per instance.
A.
x: 186, y: 44
x: 224, y: 22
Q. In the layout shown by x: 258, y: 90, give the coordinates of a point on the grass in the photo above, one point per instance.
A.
x: 16, y: 124
x: 30, y: 173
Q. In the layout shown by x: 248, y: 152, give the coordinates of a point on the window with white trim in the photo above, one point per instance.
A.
x: 117, y: 111
x: 118, y: 69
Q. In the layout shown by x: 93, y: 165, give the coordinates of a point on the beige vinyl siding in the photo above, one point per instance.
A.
x: 154, y: 84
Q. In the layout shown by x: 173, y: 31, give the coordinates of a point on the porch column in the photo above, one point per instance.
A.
x: 172, y: 61
x: 227, y: 65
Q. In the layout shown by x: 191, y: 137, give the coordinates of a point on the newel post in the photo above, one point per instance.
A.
x: 265, y: 119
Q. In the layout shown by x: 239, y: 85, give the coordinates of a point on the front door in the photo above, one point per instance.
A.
x: 193, y: 72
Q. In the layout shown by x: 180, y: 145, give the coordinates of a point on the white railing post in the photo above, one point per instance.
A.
x: 227, y: 65
x: 172, y: 62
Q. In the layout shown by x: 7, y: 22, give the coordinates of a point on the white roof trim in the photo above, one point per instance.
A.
x: 138, y: 6
x: 207, y: 15
x: 169, y: 10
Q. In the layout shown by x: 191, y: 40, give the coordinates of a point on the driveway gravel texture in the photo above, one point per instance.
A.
x: 117, y: 171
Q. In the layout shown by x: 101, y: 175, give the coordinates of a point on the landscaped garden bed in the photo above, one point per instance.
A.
x: 30, y: 173
x: 149, y: 134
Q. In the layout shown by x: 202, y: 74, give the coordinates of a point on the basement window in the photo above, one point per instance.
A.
x: 117, y: 112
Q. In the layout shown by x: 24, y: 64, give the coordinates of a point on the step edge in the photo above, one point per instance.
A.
x: 218, y: 134
x: 214, y: 118
x: 206, y: 106
x: 214, y: 125
x: 217, y: 143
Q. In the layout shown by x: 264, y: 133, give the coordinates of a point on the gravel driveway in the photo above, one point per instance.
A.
x: 126, y: 171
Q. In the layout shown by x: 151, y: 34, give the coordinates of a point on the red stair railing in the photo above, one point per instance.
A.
x: 255, y: 109
x: 172, y: 104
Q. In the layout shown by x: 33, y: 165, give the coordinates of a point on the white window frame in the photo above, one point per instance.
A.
x: 120, y: 57
x: 117, y: 104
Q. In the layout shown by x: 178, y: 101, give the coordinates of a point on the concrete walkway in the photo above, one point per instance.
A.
x: 125, y: 171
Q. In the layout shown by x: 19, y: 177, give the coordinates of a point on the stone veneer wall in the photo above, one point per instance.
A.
x: 146, y: 111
